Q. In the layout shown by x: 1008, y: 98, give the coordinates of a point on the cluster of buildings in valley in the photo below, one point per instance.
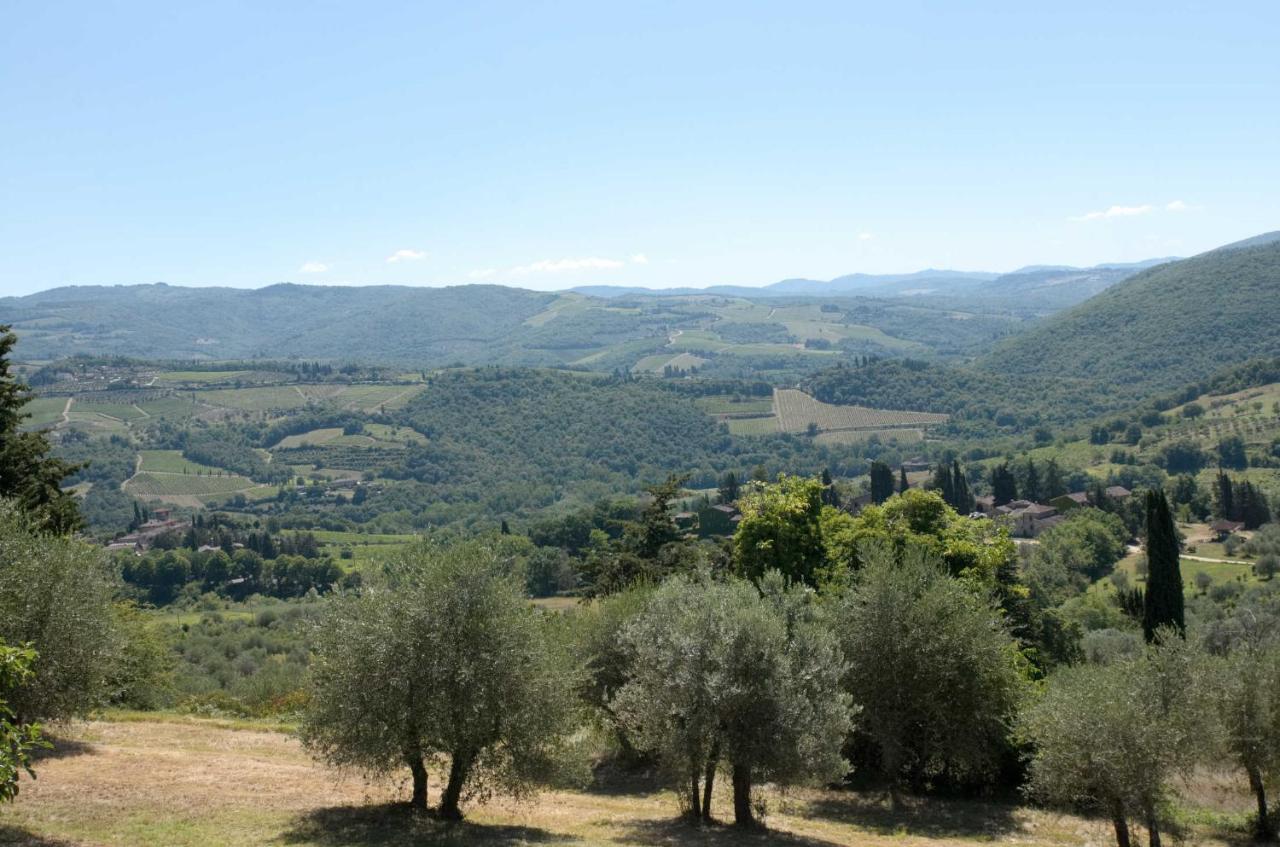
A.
x: 1025, y: 519
x: 142, y: 538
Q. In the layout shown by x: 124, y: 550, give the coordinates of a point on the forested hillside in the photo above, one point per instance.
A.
x: 512, y: 439
x: 1168, y: 326
x: 385, y: 323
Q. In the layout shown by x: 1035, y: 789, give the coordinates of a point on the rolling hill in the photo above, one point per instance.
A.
x: 1167, y: 326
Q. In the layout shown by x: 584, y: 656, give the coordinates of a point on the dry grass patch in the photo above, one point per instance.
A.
x: 183, y: 782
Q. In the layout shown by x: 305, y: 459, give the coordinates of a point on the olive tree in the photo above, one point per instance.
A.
x: 444, y: 659
x: 931, y: 663
x: 17, y: 739
x: 56, y: 595
x: 723, y: 677
x: 1246, y: 698
x: 1112, y: 737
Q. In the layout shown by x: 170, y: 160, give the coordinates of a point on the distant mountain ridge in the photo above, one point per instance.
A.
x: 928, y: 282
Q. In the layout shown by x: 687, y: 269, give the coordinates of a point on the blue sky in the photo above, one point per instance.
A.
x: 554, y: 144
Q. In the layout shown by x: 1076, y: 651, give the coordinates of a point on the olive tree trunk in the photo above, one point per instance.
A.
x: 742, y: 813
x: 459, y: 767
x: 709, y: 781
x: 419, y: 771
x: 1263, y: 828
x: 1121, y: 824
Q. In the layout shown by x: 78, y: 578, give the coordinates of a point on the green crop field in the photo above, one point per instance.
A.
x: 753, y: 426
x: 44, y: 412
x: 282, y: 398
x: 849, y: 436
x: 313, y: 438
x: 723, y: 404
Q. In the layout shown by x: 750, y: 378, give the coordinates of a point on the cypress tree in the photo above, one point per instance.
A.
x: 27, y: 473
x: 1054, y: 486
x: 881, y: 482
x: 963, y: 502
x: 943, y: 483
x: 1031, y: 488
x: 1163, y: 605
x: 903, y: 485
x: 1226, y: 498
x: 1003, y: 486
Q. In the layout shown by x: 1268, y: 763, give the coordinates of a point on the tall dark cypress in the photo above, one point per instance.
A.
x: 903, y: 485
x: 1163, y: 605
x: 1226, y: 498
x: 1003, y: 486
x: 881, y: 482
x: 963, y: 502
x: 943, y: 483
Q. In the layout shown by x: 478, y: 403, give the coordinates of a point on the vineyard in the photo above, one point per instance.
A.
x: 796, y: 410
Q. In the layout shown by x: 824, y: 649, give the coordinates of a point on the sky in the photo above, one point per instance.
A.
x: 548, y: 145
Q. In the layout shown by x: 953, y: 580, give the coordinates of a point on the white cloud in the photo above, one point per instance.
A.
x: 482, y: 273
x: 639, y: 259
x: 1177, y: 206
x: 1113, y: 212
x: 865, y: 236
x: 407, y: 256
x: 313, y: 268
x: 560, y: 265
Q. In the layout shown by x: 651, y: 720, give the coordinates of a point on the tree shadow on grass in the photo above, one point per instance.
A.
x: 16, y: 836
x: 62, y: 748
x: 395, y: 824
x: 612, y: 779
x: 931, y: 817
x: 678, y: 832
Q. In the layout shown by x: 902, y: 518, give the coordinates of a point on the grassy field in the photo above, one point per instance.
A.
x: 728, y: 405
x: 753, y: 426
x: 175, y: 782
x: 44, y: 412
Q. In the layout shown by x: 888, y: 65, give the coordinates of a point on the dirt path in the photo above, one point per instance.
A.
x: 66, y: 412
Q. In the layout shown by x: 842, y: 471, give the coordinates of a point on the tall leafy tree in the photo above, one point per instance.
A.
x: 28, y: 474
x: 781, y: 530
x: 1163, y: 606
x: 881, y: 482
x: 1246, y: 688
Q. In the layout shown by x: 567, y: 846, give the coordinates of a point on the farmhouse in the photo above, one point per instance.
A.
x: 1118, y: 492
x: 1028, y: 520
x: 720, y: 519
x: 1067, y: 502
x: 1223, y: 529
